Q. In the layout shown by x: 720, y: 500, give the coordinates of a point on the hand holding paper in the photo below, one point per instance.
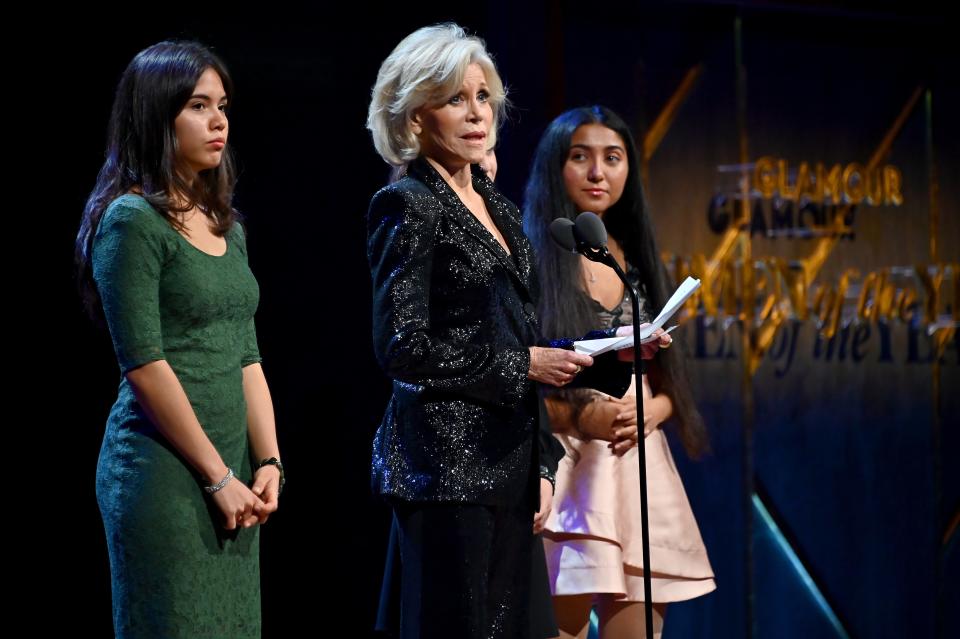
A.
x: 595, y: 347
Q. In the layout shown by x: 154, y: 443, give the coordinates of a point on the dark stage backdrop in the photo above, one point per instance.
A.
x: 843, y: 528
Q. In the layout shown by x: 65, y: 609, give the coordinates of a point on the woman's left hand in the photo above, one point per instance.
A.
x: 266, y: 486
x: 625, y: 426
x: 648, y: 350
x: 546, y: 504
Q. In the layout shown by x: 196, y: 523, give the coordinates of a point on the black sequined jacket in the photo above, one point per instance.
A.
x: 453, y: 317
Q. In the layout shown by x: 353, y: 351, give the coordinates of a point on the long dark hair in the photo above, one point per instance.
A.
x: 142, y: 150
x: 565, y: 308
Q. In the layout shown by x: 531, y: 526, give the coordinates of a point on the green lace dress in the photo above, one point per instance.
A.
x: 175, y: 571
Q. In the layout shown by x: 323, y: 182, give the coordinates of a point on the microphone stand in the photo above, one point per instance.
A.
x: 603, y: 256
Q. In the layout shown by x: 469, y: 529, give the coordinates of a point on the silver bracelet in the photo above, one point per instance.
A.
x: 212, y: 488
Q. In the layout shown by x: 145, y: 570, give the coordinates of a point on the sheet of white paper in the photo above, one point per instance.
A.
x: 600, y: 346
x: 681, y: 295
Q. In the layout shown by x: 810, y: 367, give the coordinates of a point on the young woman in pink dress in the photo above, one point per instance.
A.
x: 587, y: 161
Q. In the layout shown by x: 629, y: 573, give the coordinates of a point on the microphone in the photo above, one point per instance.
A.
x: 587, y: 236
x: 561, y: 230
x: 590, y: 231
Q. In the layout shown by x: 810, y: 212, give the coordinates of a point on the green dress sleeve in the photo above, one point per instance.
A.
x: 251, y: 353
x: 250, y: 350
x: 129, y: 251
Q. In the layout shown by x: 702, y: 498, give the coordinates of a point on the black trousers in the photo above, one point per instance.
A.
x: 466, y: 570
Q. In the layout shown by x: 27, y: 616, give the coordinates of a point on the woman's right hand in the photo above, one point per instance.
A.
x: 598, y: 420
x: 556, y: 366
x: 238, y: 504
x: 612, y: 420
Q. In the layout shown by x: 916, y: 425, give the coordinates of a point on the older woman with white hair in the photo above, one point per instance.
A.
x: 455, y: 327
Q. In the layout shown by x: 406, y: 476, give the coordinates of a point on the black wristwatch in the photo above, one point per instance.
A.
x: 273, y: 461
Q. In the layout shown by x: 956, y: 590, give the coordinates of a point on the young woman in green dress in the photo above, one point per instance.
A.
x: 189, y: 464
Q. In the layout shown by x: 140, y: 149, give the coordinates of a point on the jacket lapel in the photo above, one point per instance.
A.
x: 519, y: 263
x: 507, y: 219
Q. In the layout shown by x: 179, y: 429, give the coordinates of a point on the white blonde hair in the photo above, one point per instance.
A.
x: 428, y: 66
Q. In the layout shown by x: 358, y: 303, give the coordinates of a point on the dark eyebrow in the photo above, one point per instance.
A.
x: 204, y: 96
x: 612, y: 147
